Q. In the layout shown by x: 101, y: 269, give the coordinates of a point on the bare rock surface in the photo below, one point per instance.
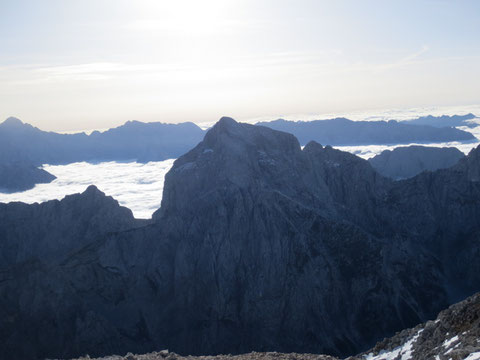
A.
x: 162, y: 355
x: 455, y: 334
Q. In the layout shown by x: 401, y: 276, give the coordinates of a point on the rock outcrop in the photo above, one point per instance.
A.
x: 258, y: 246
x: 406, y: 162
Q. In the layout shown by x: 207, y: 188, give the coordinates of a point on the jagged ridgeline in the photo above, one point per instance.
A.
x: 258, y: 245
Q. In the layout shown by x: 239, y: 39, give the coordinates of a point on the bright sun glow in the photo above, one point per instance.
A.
x: 184, y: 17
x: 95, y: 64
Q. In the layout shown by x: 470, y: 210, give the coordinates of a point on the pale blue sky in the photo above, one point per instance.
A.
x: 67, y: 64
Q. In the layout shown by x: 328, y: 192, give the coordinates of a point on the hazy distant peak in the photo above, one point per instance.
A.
x: 445, y: 120
x: 13, y: 121
x: 284, y: 121
x: 460, y: 117
x: 131, y: 122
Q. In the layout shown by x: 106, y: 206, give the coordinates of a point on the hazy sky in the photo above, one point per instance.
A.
x: 68, y: 65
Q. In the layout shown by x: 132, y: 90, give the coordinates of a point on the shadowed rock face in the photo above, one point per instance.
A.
x: 49, y: 231
x: 454, y: 334
x: 406, y: 162
x: 258, y: 245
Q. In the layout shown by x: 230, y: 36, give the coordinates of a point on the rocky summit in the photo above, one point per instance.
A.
x: 258, y: 246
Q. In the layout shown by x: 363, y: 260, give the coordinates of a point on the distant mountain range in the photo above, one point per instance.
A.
x: 132, y: 141
x: 341, y: 131
x: 258, y: 245
x: 406, y: 162
x: 26, y: 146
x: 445, y: 120
x: 157, y: 141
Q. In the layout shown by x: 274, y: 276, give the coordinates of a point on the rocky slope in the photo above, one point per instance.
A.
x: 258, y: 245
x: 455, y: 334
x: 166, y: 355
x: 406, y: 162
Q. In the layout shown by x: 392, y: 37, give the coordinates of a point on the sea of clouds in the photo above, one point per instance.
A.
x: 140, y: 186
x: 136, y: 186
x: 368, y: 151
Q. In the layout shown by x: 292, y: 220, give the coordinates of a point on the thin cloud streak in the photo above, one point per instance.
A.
x: 325, y: 61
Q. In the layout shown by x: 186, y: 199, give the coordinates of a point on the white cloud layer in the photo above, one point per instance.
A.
x: 369, y: 151
x: 136, y: 186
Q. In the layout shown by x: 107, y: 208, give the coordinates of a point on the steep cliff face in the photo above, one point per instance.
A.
x: 406, y: 162
x: 50, y: 230
x: 258, y: 245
